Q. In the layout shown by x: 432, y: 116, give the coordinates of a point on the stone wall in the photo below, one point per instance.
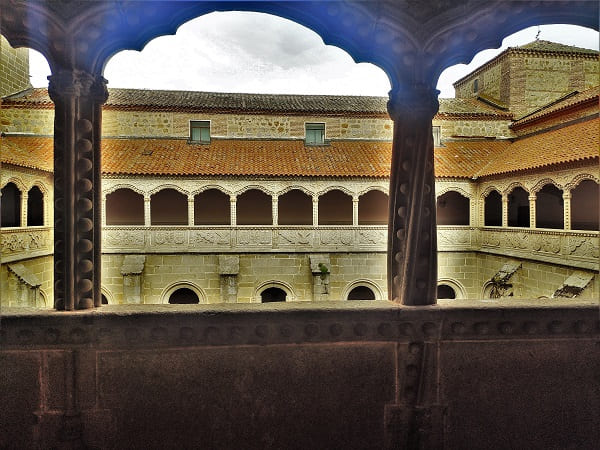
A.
x: 42, y: 267
x: 27, y: 120
x: 475, y: 128
x: 14, y: 68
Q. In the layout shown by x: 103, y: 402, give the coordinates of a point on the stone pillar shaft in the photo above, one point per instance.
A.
x: 355, y: 211
x: 532, y: 211
x: 567, y: 209
x: 275, y: 210
x: 191, y: 211
x: 505, y: 210
x: 78, y: 97
x: 315, y: 211
x: 24, y: 201
x: 147, y: 217
x: 412, y: 249
x: 233, y: 210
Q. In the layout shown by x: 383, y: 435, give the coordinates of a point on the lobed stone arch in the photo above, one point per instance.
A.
x: 296, y: 187
x: 41, y: 186
x: 208, y: 187
x: 162, y: 187
x: 382, y: 189
x: 487, y: 191
x: 365, y: 282
x: 18, y: 182
x: 284, y: 286
x: 515, y: 184
x: 171, y: 288
x: 254, y: 187
x: 131, y: 187
x: 579, y: 178
x: 539, y: 185
x: 344, y: 189
x: 457, y: 189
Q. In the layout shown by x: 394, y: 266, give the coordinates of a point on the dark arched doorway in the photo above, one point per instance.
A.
x: 493, y: 210
x: 518, y: 208
x: 549, y: 208
x: 273, y: 294
x: 373, y: 208
x: 294, y: 208
x: 453, y: 209
x: 584, y: 206
x: 183, y: 296
x: 254, y: 207
x: 361, y: 293
x: 445, y: 291
x: 35, y: 207
x: 11, y: 206
x: 124, y: 207
x: 335, y: 208
x: 212, y: 207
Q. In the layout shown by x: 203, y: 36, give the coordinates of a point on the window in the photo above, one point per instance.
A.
x: 476, y: 85
x: 437, y: 136
x: 315, y: 133
x: 200, y: 131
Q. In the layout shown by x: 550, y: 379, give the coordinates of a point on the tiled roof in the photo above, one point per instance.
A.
x: 566, y: 103
x: 548, y: 46
x: 235, y: 157
x: 28, y: 151
x: 575, y: 142
x: 140, y: 99
x: 464, y: 159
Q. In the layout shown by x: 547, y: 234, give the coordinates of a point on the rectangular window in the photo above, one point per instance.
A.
x: 437, y: 136
x: 315, y: 133
x: 200, y: 131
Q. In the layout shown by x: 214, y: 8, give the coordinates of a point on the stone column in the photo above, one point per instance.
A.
x: 78, y: 97
x: 147, y: 216
x: 233, y: 210
x: 567, y: 210
x: 275, y: 210
x: 412, y: 249
x: 315, y: 211
x: 532, y: 210
x: 24, y: 200
x: 103, y: 210
x: 355, y: 210
x: 504, y: 210
x: 190, y: 210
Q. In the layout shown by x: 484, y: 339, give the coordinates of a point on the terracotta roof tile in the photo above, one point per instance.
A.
x: 548, y: 46
x: 28, y: 151
x: 141, y: 99
x: 566, y: 103
x: 571, y: 143
x: 464, y: 159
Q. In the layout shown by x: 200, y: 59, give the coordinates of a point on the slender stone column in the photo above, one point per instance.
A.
x: 567, y: 209
x: 275, y: 209
x: 412, y: 249
x: 504, y: 210
x: 532, y: 210
x: 233, y: 210
x: 24, y: 201
x: 190, y: 210
x: 78, y: 97
x: 355, y: 210
x: 315, y: 211
x: 147, y: 217
x: 103, y: 210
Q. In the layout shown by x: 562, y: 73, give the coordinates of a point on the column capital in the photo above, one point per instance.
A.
x: 77, y: 83
x: 566, y: 195
x: 532, y: 198
x: 417, y: 101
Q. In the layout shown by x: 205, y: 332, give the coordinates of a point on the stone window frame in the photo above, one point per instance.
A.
x: 364, y: 282
x: 171, y: 288
x: 459, y: 289
x: 200, y: 124
x: 436, y: 131
x: 290, y: 296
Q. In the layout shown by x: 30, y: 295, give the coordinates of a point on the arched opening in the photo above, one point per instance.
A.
x: 212, y: 207
x: 335, y: 208
x: 183, y: 296
x: 11, y: 206
x: 445, y: 291
x: 549, y: 208
x: 124, y: 207
x: 254, y: 207
x: 294, y: 208
x: 518, y: 208
x: 361, y: 293
x: 584, y: 206
x: 453, y: 209
x: 104, y: 300
x: 35, y: 207
x: 168, y: 207
x: 273, y: 294
x: 493, y: 209
x: 373, y: 208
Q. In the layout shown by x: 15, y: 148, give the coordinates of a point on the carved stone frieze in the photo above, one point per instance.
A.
x: 295, y: 237
x: 583, y: 246
x: 124, y: 238
x: 254, y: 237
x: 25, y: 241
x: 210, y: 237
x: 336, y: 237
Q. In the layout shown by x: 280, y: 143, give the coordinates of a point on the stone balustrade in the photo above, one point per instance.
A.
x: 25, y: 242
x: 572, y: 248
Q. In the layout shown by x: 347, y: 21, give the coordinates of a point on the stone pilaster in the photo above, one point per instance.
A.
x: 567, y: 210
x: 78, y: 97
x: 505, y: 210
x: 412, y: 250
x: 532, y: 210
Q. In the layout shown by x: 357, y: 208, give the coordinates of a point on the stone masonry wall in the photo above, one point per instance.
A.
x: 42, y: 267
x: 14, y: 68
x: 450, y: 128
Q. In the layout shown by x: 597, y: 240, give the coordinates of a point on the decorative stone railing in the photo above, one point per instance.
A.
x: 21, y: 243
x: 573, y: 248
x: 173, y: 239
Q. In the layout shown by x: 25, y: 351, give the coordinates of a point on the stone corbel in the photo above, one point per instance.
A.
x: 320, y: 267
x: 229, y: 268
x: 132, y: 268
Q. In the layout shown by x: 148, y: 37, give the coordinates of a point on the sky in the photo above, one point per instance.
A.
x: 261, y: 53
